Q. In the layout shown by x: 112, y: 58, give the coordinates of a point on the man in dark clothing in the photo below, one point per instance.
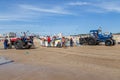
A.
x: 5, y: 43
x: 71, y: 42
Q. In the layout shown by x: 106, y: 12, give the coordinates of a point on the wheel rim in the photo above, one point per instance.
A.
x: 108, y: 43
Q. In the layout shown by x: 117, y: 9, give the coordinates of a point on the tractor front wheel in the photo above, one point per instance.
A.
x: 108, y: 42
x: 18, y: 44
x: 114, y: 42
x: 82, y: 41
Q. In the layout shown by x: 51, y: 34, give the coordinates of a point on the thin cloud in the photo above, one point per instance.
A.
x: 78, y: 3
x: 13, y: 17
x: 55, y: 10
x: 98, y: 7
x: 110, y: 6
x: 30, y: 12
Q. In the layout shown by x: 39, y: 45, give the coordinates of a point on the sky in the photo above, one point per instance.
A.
x: 59, y: 16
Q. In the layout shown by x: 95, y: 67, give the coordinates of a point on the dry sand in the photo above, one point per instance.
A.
x: 77, y: 63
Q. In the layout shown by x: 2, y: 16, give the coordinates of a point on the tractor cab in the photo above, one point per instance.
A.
x: 94, y: 33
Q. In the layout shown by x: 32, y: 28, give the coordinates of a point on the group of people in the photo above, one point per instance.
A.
x: 57, y: 42
x: 50, y: 42
x: 65, y: 40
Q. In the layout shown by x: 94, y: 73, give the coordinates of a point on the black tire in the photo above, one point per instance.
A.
x: 28, y: 46
x: 18, y: 44
x: 114, y: 42
x: 97, y: 43
x: 82, y: 41
x: 108, y: 42
x: 91, y: 41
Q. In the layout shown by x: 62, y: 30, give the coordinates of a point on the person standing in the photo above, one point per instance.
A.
x: 43, y: 42
x: 63, y: 41
x: 71, y: 42
x: 49, y: 40
x: 53, y: 41
x: 5, y: 43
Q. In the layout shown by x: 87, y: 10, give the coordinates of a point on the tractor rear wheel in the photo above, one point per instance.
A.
x: 82, y: 41
x: 91, y: 41
x: 29, y: 47
x: 108, y: 42
x: 97, y: 43
x: 18, y: 44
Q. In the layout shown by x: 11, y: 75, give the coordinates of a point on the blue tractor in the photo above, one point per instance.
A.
x: 96, y: 37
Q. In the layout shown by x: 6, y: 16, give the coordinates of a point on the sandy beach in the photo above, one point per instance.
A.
x: 75, y: 63
x: 59, y: 40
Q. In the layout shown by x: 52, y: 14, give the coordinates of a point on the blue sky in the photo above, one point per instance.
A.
x: 54, y: 16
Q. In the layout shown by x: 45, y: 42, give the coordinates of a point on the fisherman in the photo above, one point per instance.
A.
x: 5, y: 43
